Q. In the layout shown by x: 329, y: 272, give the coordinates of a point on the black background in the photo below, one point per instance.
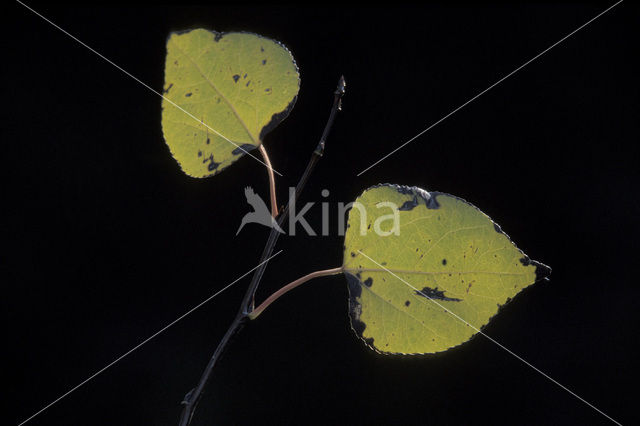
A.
x: 105, y: 240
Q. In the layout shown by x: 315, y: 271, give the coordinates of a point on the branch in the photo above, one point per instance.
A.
x: 192, y: 398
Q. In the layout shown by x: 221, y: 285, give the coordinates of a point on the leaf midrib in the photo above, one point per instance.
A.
x: 409, y: 271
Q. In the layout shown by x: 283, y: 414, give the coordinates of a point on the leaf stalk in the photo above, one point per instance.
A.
x: 272, y: 181
x: 275, y: 296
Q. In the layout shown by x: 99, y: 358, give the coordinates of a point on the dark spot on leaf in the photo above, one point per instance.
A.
x: 188, y: 94
x: 248, y: 82
x: 217, y: 37
x: 264, y: 61
x: 236, y: 77
x: 434, y: 293
x: 167, y: 89
x: 418, y: 193
x: 244, y: 76
x: 542, y: 270
x: 407, y: 303
x: 261, y: 49
x: 497, y: 228
x: 368, y: 282
x: 353, y: 254
x: 212, y: 164
x: 199, y: 153
x: 444, y: 261
x: 208, y: 141
x: 277, y: 118
x: 242, y: 149
x: 409, y: 205
x: 355, y: 309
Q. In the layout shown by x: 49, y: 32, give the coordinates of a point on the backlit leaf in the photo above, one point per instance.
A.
x: 449, y: 264
x: 240, y: 85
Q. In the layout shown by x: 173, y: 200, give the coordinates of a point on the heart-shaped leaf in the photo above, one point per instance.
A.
x: 224, y: 92
x: 442, y: 272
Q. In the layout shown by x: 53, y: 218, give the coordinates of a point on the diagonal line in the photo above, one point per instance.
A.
x: 150, y: 88
x: 494, y: 341
x: 491, y: 87
x: 146, y: 340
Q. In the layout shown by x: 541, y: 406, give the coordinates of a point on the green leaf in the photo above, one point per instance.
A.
x: 445, y: 270
x: 234, y: 87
